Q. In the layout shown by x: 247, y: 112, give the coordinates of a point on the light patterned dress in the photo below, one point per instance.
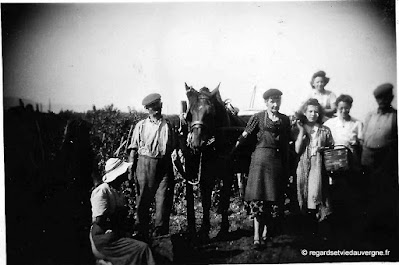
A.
x: 312, y: 180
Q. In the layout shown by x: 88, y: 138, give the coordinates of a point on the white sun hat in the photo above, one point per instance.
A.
x: 114, y: 167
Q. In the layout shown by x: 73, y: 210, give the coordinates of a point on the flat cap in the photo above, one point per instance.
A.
x: 151, y: 98
x: 384, y: 89
x: 272, y: 92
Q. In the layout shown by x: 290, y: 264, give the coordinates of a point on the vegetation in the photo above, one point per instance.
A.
x: 110, y: 129
x: 47, y: 198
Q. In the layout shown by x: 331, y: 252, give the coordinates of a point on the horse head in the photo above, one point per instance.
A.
x: 202, y: 115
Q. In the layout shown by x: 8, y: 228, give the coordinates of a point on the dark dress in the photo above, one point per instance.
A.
x: 269, y: 168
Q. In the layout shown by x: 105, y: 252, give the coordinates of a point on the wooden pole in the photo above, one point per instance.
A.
x: 128, y: 138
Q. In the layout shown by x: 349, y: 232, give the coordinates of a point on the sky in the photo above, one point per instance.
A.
x: 99, y: 54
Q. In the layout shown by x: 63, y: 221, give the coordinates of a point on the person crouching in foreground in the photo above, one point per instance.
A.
x: 108, y: 233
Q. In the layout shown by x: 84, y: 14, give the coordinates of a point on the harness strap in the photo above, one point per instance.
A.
x: 197, y: 124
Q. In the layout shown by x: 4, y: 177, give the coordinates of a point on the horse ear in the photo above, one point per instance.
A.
x: 190, y: 93
x: 215, y: 93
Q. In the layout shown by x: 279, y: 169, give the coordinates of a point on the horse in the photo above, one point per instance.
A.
x: 212, y: 133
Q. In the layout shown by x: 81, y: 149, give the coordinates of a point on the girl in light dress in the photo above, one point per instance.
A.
x: 312, y: 180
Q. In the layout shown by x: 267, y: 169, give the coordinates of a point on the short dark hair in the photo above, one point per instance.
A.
x: 321, y: 74
x: 344, y: 98
x: 313, y: 102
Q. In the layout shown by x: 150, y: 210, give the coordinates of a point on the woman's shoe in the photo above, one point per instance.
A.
x: 267, y: 240
x: 257, y: 244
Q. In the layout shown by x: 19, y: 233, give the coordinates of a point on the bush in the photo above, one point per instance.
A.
x: 110, y: 128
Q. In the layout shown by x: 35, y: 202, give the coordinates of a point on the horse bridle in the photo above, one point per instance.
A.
x: 197, y: 124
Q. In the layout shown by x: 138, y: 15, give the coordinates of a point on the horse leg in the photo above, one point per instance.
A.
x: 190, y: 209
x: 190, y: 165
x: 225, y: 201
x: 206, y: 192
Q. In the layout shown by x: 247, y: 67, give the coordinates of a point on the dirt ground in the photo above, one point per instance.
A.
x: 347, y: 235
x: 295, y: 243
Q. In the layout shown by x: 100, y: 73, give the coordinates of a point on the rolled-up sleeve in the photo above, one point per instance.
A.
x: 134, y: 142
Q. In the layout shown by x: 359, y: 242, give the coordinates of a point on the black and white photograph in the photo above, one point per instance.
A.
x: 187, y: 132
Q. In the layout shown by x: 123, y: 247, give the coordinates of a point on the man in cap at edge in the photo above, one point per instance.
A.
x: 380, y: 162
x: 150, y: 150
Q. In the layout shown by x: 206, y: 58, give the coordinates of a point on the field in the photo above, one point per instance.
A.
x: 49, y: 175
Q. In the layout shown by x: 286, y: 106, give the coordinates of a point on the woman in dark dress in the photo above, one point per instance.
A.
x: 268, y: 172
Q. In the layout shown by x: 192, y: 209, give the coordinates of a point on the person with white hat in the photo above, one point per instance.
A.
x: 150, y: 151
x: 110, y: 241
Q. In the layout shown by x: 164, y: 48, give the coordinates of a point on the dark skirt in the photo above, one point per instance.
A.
x: 265, y: 175
x: 121, y: 251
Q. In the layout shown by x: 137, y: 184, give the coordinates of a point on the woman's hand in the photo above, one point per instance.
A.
x: 353, y: 140
x: 321, y: 148
x: 300, y: 126
x: 300, y: 137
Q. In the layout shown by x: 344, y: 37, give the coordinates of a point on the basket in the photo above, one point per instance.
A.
x: 337, y: 159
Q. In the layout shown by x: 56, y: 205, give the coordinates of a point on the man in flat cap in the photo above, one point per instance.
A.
x: 150, y: 150
x: 380, y: 162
